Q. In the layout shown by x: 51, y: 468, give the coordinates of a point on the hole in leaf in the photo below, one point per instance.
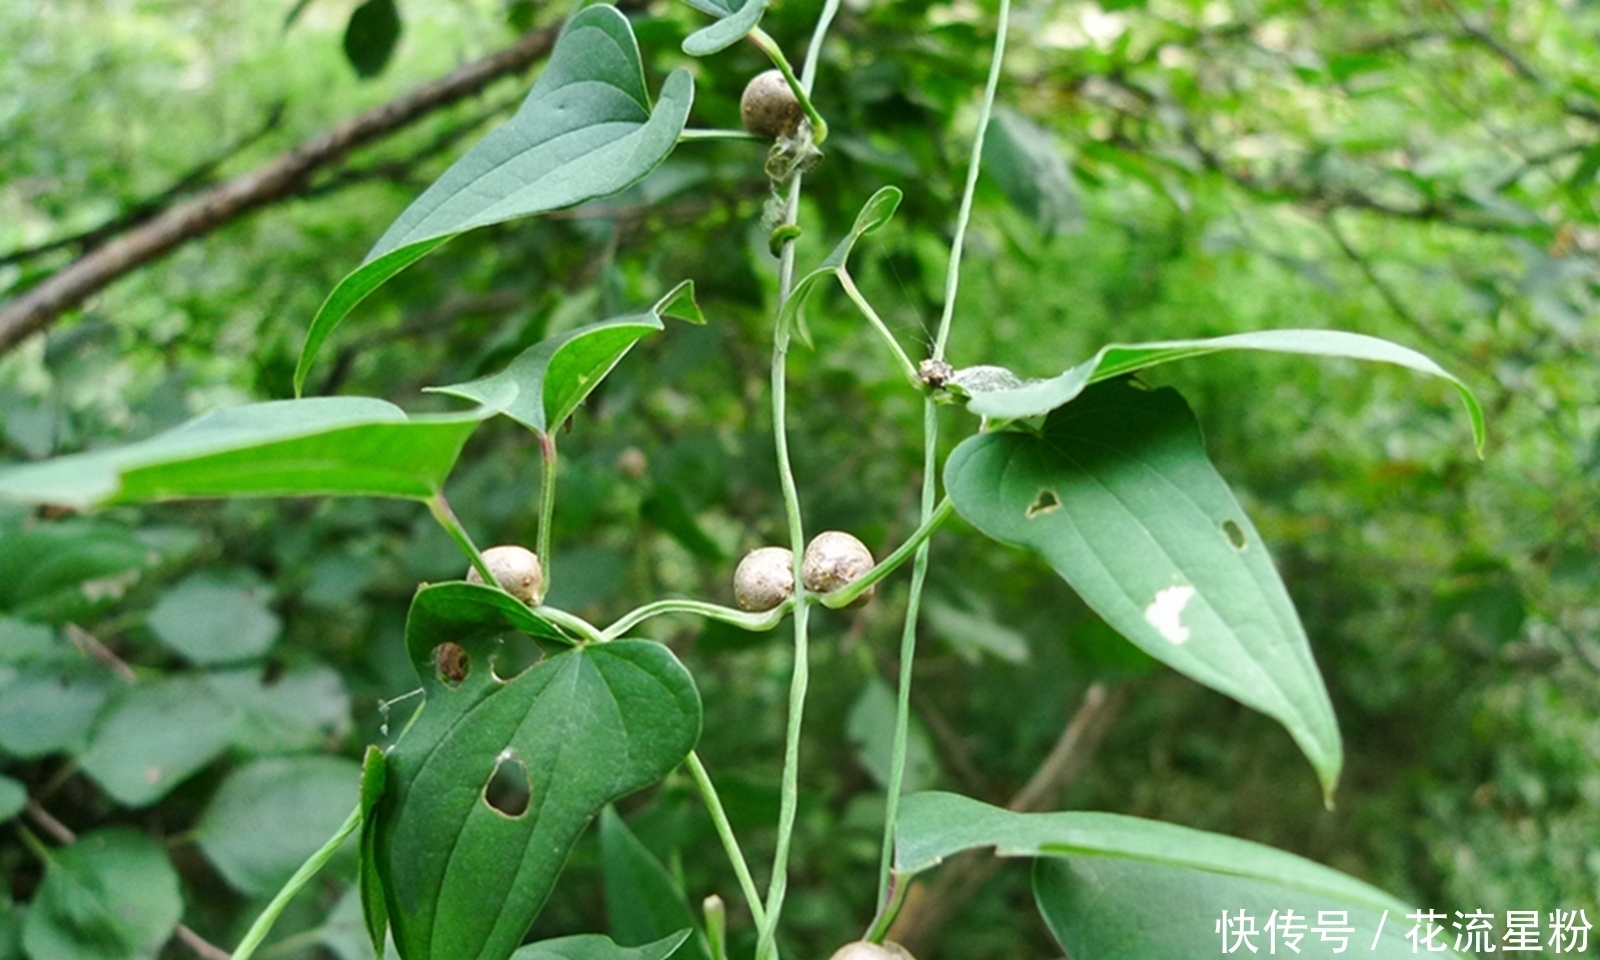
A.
x: 509, y: 790
x: 1235, y: 534
x: 1045, y: 502
x: 452, y: 663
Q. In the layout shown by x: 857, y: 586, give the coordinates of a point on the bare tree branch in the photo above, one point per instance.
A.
x: 283, y: 176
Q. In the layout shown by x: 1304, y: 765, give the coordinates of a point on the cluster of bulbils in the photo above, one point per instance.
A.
x: 765, y: 577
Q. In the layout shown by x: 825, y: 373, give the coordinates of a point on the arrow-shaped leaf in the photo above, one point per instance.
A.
x: 495, y: 778
x: 1113, y: 887
x: 735, y: 18
x: 996, y: 393
x: 586, y: 130
x: 874, y: 214
x: 1117, y: 495
x: 322, y: 446
x: 550, y: 379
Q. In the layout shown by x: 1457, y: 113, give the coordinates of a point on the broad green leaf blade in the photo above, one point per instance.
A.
x: 1102, y: 908
x: 575, y: 731
x: 210, y: 619
x: 550, y: 379
x: 47, y: 709
x: 736, y: 18
x: 643, y: 901
x: 371, y: 35
x: 874, y: 214
x: 1117, y: 495
x: 439, y: 608
x: 592, y: 946
x: 369, y: 881
x: 154, y: 736
x: 269, y: 817
x: 1006, y: 397
x: 112, y: 895
x: 324, y: 446
x: 1022, y: 158
x: 586, y: 130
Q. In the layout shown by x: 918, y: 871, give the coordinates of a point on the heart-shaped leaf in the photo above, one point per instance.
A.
x: 495, y: 779
x: 1117, y: 495
x: 735, y: 19
x: 586, y: 130
x: 1113, y: 887
x: 997, y: 393
x: 874, y: 214
x: 329, y: 446
x: 550, y: 379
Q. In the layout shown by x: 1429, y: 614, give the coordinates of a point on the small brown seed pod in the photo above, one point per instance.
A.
x: 862, y: 950
x: 764, y: 579
x: 834, y: 559
x: 516, y: 569
x: 769, y: 108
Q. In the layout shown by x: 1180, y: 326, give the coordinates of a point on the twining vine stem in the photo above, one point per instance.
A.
x: 890, y: 898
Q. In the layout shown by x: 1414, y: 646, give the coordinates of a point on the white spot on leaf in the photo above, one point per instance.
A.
x: 1165, y: 612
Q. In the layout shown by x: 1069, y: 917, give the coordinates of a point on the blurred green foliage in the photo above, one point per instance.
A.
x: 1424, y: 172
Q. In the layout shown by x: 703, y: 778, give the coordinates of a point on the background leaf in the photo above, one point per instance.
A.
x: 371, y: 35
x: 155, y: 735
x: 592, y: 946
x: 644, y: 903
x: 547, y: 381
x: 112, y: 895
x: 586, y: 130
x: 1017, y: 399
x: 1117, y: 495
x: 1022, y: 158
x: 209, y: 619
x: 268, y: 817
x: 583, y: 728
x: 321, y: 446
x: 13, y: 797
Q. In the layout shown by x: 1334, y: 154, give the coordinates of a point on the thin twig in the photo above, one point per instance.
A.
x: 283, y: 176
x: 91, y: 645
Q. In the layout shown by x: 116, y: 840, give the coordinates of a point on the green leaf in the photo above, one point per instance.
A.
x: 1113, y: 887
x: 998, y: 394
x: 13, y: 797
x: 1022, y: 158
x: 324, y: 446
x: 269, y: 817
x: 112, y: 895
x: 371, y: 35
x: 71, y: 569
x: 870, y: 729
x: 586, y: 130
x: 592, y: 946
x: 282, y: 711
x: 1117, y: 495
x: 209, y: 619
x: 735, y: 19
x: 874, y: 214
x: 374, y: 911
x: 439, y: 608
x: 154, y: 736
x: 643, y: 901
x: 547, y: 381
x: 47, y: 709
x: 573, y: 732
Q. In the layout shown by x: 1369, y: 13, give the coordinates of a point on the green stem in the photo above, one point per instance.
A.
x: 899, y: 887
x: 849, y: 285
x: 843, y: 596
x: 440, y: 508
x: 572, y: 622
x: 710, y: 611
x: 730, y: 843
x: 687, y: 135
x: 547, y: 502
x: 953, y: 273
x: 802, y: 89
x: 908, y: 652
x: 258, y: 931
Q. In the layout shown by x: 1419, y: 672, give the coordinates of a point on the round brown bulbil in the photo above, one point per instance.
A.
x: 764, y: 579
x: 516, y: 569
x: 835, y: 559
x: 769, y: 108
